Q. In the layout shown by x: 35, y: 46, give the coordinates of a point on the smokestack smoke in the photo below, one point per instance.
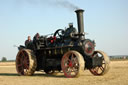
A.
x: 66, y: 4
x: 61, y: 3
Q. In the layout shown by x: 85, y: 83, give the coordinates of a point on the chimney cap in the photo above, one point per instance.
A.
x: 79, y: 10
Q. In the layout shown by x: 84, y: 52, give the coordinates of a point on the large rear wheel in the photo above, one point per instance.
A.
x: 101, y: 70
x: 26, y: 62
x: 72, y: 64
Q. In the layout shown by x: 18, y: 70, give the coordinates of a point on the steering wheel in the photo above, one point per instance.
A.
x: 59, y: 33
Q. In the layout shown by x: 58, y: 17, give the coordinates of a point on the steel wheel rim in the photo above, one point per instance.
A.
x: 22, y: 62
x: 70, y: 65
x: 99, y: 69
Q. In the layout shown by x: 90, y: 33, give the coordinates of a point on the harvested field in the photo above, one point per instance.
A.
x: 117, y: 75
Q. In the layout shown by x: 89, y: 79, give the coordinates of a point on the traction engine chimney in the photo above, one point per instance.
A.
x: 80, y: 21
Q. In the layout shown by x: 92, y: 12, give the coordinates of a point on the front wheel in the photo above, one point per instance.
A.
x: 103, y: 69
x: 72, y: 64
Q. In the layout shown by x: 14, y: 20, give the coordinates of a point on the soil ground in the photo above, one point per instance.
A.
x: 117, y: 75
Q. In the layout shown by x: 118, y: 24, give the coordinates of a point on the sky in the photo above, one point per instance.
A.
x: 105, y: 21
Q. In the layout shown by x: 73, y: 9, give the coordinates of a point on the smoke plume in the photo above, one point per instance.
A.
x: 55, y: 3
x: 66, y: 4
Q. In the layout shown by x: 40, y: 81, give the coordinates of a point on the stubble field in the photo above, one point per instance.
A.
x: 117, y: 75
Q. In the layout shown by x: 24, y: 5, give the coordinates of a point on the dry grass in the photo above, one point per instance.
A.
x: 7, y: 63
x: 117, y: 75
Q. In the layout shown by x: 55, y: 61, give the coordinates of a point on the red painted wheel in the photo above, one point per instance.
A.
x: 25, y: 62
x: 101, y: 70
x: 72, y: 64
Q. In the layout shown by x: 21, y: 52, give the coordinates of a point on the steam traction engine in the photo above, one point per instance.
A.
x: 66, y: 50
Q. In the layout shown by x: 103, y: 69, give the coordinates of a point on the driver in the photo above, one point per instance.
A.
x: 28, y: 41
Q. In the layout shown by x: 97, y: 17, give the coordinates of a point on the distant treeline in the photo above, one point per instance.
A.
x: 8, y: 61
x: 4, y: 59
x: 119, y: 57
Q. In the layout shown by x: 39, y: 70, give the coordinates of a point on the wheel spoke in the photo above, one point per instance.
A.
x: 74, y: 60
x: 26, y: 66
x: 93, y: 71
x: 97, y: 69
x: 75, y: 69
x: 72, y: 56
x: 68, y: 70
x: 23, y: 55
x: 76, y: 65
x: 101, y: 68
x: 66, y: 66
x: 19, y: 65
x: 21, y: 70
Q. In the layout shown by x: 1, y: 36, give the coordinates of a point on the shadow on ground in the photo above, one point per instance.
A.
x: 35, y: 75
x: 8, y: 74
x: 48, y: 75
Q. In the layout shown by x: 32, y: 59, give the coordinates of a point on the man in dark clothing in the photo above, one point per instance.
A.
x: 36, y: 37
x: 28, y: 41
x: 36, y: 40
